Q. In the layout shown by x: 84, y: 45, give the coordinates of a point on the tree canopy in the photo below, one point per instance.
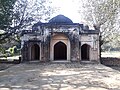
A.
x: 6, y: 12
x: 17, y: 15
x: 104, y: 14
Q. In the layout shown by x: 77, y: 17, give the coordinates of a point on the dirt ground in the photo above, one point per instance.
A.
x: 67, y: 76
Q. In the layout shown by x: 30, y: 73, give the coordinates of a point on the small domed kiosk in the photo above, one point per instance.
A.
x: 60, y: 40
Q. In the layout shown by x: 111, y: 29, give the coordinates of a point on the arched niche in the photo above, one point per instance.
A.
x: 85, y: 52
x: 60, y: 51
x: 62, y: 42
x: 35, y: 52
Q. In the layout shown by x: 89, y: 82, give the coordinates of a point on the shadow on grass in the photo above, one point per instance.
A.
x: 115, y: 68
x: 112, y: 62
x: 4, y: 66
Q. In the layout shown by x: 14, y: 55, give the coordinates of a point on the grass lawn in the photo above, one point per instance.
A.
x: 103, y: 54
x: 11, y: 58
x: 111, y: 54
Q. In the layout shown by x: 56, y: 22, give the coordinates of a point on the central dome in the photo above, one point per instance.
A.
x: 60, y: 19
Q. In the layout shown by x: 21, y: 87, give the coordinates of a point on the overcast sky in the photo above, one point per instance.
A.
x: 70, y: 9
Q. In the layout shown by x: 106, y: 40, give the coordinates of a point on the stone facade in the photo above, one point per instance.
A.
x: 60, y: 39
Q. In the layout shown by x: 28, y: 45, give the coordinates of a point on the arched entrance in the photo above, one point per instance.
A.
x: 60, y: 51
x: 85, y: 51
x: 35, y: 52
x: 60, y: 47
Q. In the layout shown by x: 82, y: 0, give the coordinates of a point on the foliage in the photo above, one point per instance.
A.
x: 26, y: 12
x: 17, y: 15
x: 13, y: 50
x: 113, y: 45
x: 104, y: 14
x: 2, y: 50
x: 22, y: 14
x: 6, y: 12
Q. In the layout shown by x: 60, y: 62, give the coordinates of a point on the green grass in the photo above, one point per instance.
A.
x: 2, y: 31
x: 111, y: 54
x: 103, y: 54
x: 11, y: 58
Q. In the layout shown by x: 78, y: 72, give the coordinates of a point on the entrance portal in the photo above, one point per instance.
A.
x: 35, y: 52
x: 85, y: 49
x: 60, y: 51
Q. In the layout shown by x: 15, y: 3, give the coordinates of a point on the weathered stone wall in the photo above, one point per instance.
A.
x: 45, y: 50
x: 75, y: 53
x: 24, y: 52
x: 43, y: 37
x: 93, y: 41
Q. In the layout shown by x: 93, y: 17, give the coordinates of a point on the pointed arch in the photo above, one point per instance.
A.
x: 85, y: 52
x: 60, y: 51
x: 60, y: 42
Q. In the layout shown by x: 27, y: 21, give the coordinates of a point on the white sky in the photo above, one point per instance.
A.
x: 69, y: 8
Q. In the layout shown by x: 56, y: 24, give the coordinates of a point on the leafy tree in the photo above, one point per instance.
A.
x: 104, y: 15
x: 20, y: 15
x: 24, y: 12
x: 6, y: 12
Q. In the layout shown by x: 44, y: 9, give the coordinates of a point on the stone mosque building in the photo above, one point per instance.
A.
x: 60, y: 40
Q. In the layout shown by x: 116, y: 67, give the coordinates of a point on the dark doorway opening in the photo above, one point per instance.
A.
x: 35, y: 52
x: 60, y: 51
x: 85, y: 49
